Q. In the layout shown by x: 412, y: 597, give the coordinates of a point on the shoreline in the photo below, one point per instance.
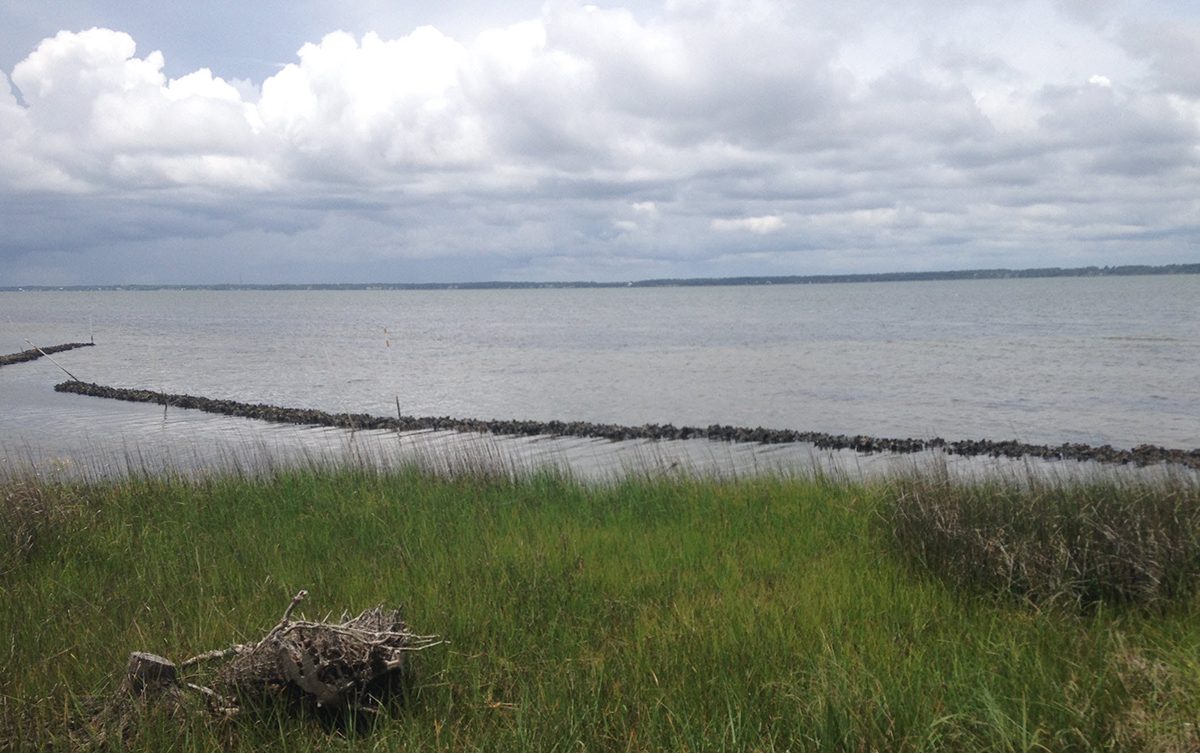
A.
x: 1141, y: 455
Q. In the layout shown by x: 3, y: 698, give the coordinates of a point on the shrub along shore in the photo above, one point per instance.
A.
x: 1141, y: 455
x: 684, y: 613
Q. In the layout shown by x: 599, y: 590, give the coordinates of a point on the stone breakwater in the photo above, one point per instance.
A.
x: 1141, y: 455
x: 35, y: 353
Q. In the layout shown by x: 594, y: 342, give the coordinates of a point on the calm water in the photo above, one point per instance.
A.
x: 1101, y: 360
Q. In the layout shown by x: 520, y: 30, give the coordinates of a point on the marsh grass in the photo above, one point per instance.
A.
x: 651, y: 613
x: 33, y: 516
x: 1110, y: 539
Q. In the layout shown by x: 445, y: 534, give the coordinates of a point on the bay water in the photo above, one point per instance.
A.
x: 1102, y: 360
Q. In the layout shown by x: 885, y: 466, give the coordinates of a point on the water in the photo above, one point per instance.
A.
x: 1111, y: 360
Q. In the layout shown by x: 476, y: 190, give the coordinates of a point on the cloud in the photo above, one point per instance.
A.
x: 608, y: 139
x: 98, y: 116
x: 372, y: 110
x: 1172, y: 50
x: 757, y: 225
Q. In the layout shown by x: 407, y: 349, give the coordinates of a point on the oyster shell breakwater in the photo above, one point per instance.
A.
x: 35, y: 353
x: 1141, y: 455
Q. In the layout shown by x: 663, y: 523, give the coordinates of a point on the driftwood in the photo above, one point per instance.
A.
x: 341, y: 668
x: 354, y: 664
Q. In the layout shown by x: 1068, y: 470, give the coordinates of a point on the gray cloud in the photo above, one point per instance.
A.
x: 1173, y: 51
x: 689, y: 138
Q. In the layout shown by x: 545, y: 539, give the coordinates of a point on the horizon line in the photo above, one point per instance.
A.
x: 740, y: 280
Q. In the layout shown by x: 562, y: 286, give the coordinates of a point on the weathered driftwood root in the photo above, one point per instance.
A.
x: 354, y: 665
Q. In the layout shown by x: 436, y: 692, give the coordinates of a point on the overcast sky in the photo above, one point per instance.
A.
x: 376, y: 141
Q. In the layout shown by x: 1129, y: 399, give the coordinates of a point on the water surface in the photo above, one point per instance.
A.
x: 1111, y: 360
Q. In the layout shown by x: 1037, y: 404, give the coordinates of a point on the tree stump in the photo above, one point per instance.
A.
x: 149, y: 673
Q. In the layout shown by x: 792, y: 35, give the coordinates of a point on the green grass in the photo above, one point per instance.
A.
x: 653, y: 614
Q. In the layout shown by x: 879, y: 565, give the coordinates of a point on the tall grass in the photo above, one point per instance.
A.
x: 33, y: 517
x: 1111, y: 539
x: 686, y: 613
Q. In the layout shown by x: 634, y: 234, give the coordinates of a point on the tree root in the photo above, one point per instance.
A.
x: 340, y: 668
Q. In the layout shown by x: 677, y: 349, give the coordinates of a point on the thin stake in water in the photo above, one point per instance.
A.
x: 56, y: 363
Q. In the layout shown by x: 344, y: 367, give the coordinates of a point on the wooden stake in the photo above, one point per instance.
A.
x: 56, y: 363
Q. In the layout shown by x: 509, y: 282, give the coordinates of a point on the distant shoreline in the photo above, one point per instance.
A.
x: 1127, y: 270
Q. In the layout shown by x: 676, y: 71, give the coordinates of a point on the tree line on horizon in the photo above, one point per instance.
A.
x: 963, y: 274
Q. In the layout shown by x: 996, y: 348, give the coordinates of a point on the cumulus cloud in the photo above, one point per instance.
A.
x: 98, y: 117
x: 603, y: 142
x: 361, y: 110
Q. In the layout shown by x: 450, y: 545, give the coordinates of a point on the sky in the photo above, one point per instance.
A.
x: 373, y: 141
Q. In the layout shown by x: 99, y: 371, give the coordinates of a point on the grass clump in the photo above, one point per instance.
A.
x: 33, y: 516
x: 1110, y: 540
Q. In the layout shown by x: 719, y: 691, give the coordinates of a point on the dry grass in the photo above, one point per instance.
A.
x: 32, y: 516
x: 1152, y: 721
x: 1113, y: 540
